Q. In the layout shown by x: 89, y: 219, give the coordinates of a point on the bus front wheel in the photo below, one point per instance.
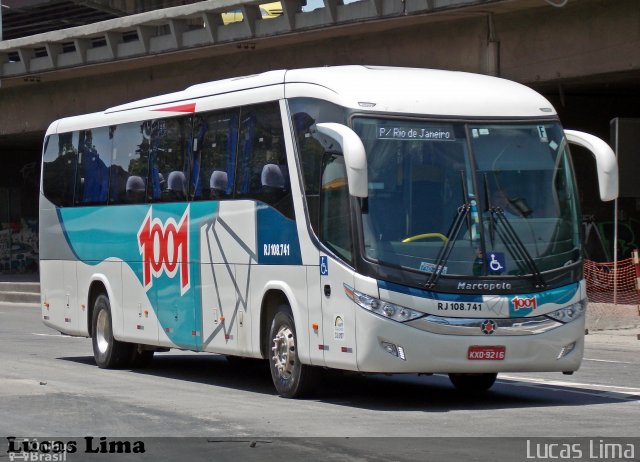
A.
x: 291, y: 378
x: 108, y: 352
x: 473, y: 382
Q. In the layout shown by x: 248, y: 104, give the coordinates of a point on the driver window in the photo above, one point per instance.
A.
x: 335, y: 223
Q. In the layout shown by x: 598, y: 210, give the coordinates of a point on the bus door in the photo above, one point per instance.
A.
x: 338, y: 315
x: 338, y: 311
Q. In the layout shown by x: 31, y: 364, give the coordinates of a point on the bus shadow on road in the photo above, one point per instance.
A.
x: 408, y: 392
x: 435, y: 393
x: 208, y: 369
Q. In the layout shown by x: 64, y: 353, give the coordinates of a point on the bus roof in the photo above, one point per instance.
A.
x: 207, y: 89
x: 398, y: 90
x: 391, y: 89
x: 426, y: 91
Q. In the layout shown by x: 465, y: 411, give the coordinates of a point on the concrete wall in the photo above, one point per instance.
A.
x: 582, y: 40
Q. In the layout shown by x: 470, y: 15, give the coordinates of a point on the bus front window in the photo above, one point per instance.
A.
x: 419, y: 173
x: 506, y: 208
x: 525, y: 171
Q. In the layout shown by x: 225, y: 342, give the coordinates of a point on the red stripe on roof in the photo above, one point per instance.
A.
x: 191, y: 107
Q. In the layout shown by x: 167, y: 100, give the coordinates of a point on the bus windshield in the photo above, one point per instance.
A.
x: 475, y: 199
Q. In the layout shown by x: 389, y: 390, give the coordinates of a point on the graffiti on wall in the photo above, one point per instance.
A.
x: 19, y: 247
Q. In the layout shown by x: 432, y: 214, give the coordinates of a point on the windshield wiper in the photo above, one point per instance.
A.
x: 511, y: 240
x: 516, y: 247
x: 452, y: 236
x: 492, y: 224
x: 445, y: 251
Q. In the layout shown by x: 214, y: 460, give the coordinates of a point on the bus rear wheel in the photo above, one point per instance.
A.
x: 108, y: 352
x: 291, y: 378
x: 473, y: 382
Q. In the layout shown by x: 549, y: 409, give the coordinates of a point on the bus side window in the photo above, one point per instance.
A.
x: 59, y: 168
x: 129, y: 163
x: 213, y: 155
x: 168, y: 166
x: 311, y: 155
x: 262, y: 171
x: 306, y: 112
x: 94, y: 152
x: 335, y: 223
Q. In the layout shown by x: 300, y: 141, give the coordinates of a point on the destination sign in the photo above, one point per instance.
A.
x: 400, y: 132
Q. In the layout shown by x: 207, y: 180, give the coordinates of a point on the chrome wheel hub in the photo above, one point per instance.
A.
x: 284, y: 352
x: 102, y: 332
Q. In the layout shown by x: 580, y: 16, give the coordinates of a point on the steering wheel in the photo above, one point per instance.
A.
x: 417, y: 237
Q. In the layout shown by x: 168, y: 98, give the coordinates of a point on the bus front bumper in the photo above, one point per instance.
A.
x: 391, y: 347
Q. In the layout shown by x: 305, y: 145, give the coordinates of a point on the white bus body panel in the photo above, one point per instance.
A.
x: 338, y: 317
x: 227, y: 260
x: 314, y: 307
x: 52, y: 294
x: 59, y: 296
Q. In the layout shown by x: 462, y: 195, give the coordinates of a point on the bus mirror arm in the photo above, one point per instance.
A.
x: 606, y: 162
x: 355, y: 157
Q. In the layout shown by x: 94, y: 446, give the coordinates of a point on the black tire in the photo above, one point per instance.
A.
x: 140, y: 357
x: 291, y: 378
x: 473, y: 383
x: 108, y: 352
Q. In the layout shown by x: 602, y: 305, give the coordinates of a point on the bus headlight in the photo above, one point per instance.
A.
x: 382, y: 308
x: 569, y: 313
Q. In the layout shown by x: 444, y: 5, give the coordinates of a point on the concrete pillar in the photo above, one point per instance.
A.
x: 211, y: 23
x: 492, y: 57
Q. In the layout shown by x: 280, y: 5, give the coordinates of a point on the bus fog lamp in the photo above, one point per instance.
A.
x: 401, y: 354
x: 565, y: 350
x: 394, y: 350
x: 390, y: 348
x: 569, y: 313
x: 384, y: 309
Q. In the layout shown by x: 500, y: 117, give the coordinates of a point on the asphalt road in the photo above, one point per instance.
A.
x: 50, y: 387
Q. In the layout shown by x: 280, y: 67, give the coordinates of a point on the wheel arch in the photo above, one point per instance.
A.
x: 99, y: 284
x: 274, y: 294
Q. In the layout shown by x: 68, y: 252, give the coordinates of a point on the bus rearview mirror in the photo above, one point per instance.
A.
x: 355, y: 157
x: 606, y: 162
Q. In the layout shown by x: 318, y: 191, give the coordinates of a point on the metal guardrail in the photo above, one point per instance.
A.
x: 190, y: 27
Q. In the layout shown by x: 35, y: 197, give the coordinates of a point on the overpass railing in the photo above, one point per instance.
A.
x: 194, y: 26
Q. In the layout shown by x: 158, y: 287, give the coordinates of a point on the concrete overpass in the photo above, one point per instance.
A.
x: 88, y: 68
x: 583, y: 54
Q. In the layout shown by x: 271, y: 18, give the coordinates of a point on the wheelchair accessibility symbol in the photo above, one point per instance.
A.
x: 324, y: 266
x: 496, y: 263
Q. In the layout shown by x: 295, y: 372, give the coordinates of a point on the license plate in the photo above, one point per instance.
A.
x: 487, y: 353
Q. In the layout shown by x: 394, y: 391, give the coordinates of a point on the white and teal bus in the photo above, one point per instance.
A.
x: 370, y: 219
